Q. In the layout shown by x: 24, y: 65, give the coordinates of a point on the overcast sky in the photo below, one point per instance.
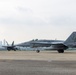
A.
x: 23, y: 20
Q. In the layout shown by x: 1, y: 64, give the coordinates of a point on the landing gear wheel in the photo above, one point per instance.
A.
x: 61, y: 51
x: 8, y: 50
x: 37, y: 51
x: 14, y: 50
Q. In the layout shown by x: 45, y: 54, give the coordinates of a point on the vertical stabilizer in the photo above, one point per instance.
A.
x: 13, y: 43
x: 71, y: 41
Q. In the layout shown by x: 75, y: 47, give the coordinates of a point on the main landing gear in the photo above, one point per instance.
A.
x: 37, y: 51
x: 60, y: 51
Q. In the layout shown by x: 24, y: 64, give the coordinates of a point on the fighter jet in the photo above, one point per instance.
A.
x: 58, y: 45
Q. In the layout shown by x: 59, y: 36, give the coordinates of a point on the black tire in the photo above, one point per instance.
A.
x: 61, y: 51
x: 37, y: 51
x: 8, y: 50
x: 14, y: 50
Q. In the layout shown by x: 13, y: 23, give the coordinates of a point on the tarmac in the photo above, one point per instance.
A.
x: 32, y: 63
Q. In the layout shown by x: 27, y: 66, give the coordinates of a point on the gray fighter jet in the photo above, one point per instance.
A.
x: 58, y: 45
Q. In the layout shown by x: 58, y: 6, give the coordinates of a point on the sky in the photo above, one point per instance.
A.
x: 24, y: 20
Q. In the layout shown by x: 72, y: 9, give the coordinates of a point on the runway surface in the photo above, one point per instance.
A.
x: 32, y: 63
x: 43, y: 55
